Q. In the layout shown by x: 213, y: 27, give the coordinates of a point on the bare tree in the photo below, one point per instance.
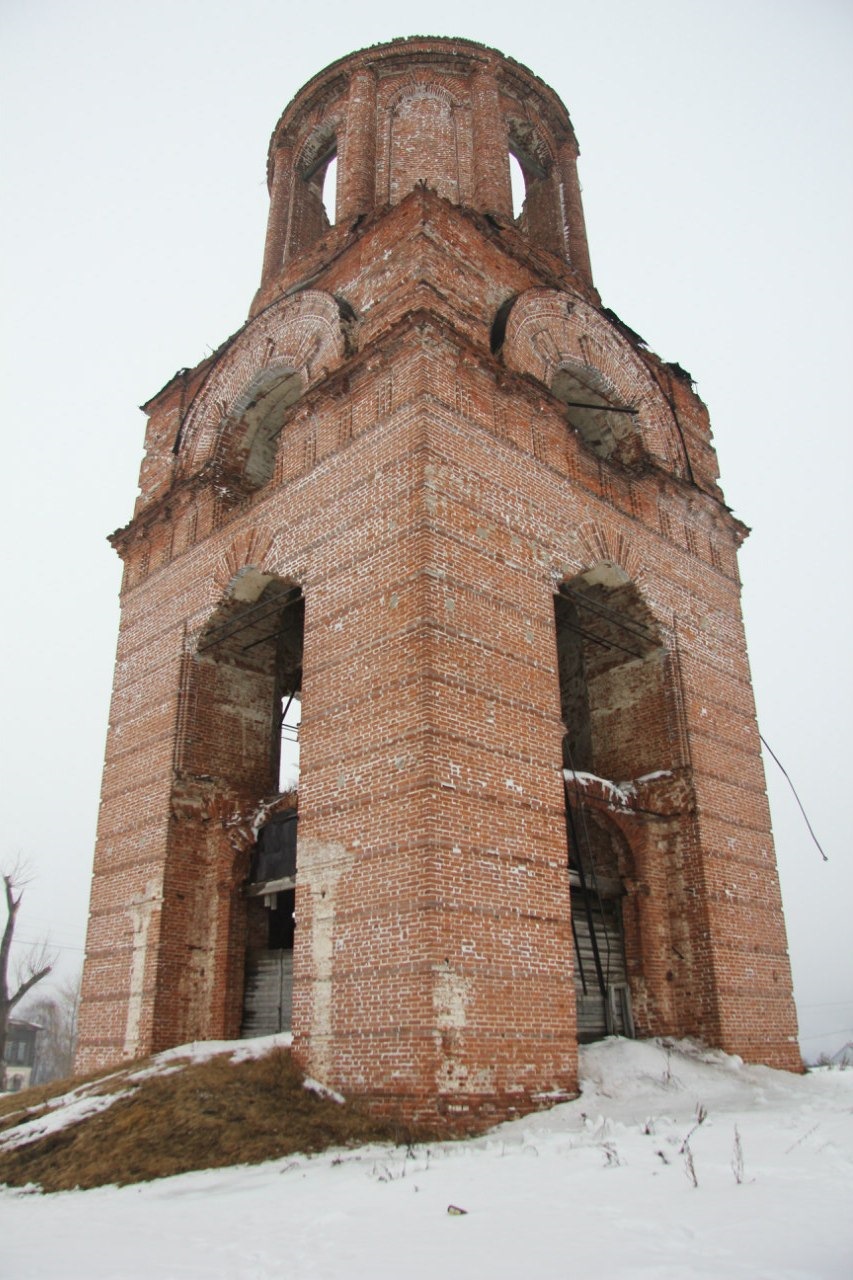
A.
x: 16, y: 981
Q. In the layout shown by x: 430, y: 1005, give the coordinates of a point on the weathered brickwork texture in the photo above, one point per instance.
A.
x: 434, y: 485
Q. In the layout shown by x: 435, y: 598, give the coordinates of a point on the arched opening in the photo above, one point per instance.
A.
x: 317, y: 179
x: 528, y: 177
x: 612, y: 670
x: 518, y: 185
x: 330, y: 190
x: 313, y: 208
x: 251, y: 654
x: 536, y: 200
x: 250, y: 665
x: 611, y: 665
x: 602, y: 421
x: 498, y: 332
x: 259, y: 414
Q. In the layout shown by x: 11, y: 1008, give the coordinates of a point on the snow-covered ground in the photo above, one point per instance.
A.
x: 606, y: 1186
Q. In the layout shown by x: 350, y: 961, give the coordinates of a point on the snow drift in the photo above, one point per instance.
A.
x: 675, y: 1162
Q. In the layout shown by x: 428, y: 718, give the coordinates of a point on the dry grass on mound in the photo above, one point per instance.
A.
x: 204, y: 1116
x: 23, y: 1105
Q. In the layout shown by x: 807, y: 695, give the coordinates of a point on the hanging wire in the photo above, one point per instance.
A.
x: 604, y: 644
x: 796, y: 797
x: 582, y: 599
x: 249, y: 617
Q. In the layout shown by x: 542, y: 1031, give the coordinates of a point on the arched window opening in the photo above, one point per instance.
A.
x: 313, y: 209
x: 518, y: 184
x: 528, y: 178
x: 608, y: 427
x: 537, y: 212
x: 319, y: 179
x: 252, y: 654
x: 261, y: 413
x: 330, y: 190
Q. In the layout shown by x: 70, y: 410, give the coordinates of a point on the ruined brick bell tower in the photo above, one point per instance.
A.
x: 438, y: 499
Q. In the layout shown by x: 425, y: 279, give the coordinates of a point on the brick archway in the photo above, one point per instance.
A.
x: 258, y: 376
x: 549, y: 333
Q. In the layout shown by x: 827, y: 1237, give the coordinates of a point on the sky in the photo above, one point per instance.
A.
x: 718, y: 191
x: 538, y: 1197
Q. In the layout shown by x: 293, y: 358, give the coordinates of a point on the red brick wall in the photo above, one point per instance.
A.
x: 429, y: 494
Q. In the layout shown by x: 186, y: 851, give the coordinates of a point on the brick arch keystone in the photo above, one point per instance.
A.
x: 600, y: 544
x: 415, y: 89
x: 250, y: 550
x: 251, y: 560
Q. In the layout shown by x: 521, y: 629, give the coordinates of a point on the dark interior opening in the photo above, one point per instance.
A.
x: 281, y: 921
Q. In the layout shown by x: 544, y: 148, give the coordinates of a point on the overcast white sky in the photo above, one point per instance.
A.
x: 716, y: 142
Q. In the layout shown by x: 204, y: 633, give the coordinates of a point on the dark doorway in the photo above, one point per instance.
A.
x: 610, y: 661
x: 268, y: 993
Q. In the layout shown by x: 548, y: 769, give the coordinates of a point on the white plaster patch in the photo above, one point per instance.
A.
x: 450, y: 998
x: 321, y: 865
x: 141, y: 910
x: 455, y: 1077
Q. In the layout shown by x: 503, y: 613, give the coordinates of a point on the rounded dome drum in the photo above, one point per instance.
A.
x: 444, y: 113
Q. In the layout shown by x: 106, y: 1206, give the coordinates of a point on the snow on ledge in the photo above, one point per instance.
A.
x: 620, y: 794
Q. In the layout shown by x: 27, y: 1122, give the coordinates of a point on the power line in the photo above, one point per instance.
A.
x: 796, y: 797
